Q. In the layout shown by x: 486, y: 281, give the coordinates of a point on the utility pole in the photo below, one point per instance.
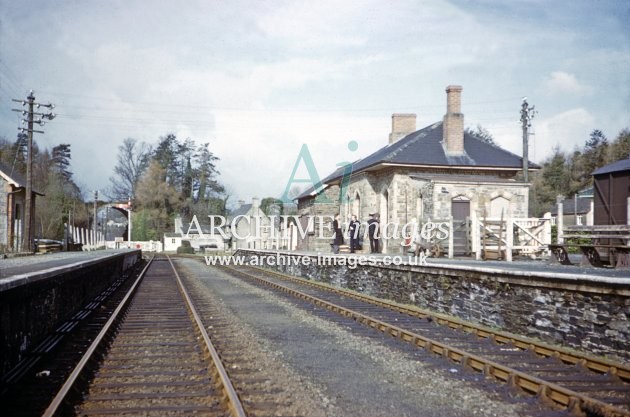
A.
x: 30, y: 120
x: 527, y: 114
x: 94, y: 225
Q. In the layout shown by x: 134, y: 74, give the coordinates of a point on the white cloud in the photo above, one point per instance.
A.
x: 565, y: 130
x: 564, y: 82
x: 235, y: 73
x: 310, y: 24
x: 258, y: 150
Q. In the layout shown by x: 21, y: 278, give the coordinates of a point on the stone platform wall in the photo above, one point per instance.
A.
x: 586, y: 314
x: 42, y: 301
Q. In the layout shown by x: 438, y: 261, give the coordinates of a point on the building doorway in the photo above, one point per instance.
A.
x: 384, y: 218
x: 460, y: 210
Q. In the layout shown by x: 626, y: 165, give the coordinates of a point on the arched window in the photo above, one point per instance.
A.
x: 356, y: 205
x: 499, y: 205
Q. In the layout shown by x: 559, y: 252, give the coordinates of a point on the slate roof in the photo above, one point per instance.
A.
x: 622, y: 165
x: 425, y: 147
x: 569, y: 206
x: 241, y: 211
x: 14, y: 177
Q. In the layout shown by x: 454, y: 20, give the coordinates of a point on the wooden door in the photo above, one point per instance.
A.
x: 460, y: 210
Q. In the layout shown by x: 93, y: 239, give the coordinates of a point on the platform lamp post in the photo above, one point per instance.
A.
x: 129, y: 220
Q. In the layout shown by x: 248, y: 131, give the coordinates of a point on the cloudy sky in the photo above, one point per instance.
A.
x: 258, y: 79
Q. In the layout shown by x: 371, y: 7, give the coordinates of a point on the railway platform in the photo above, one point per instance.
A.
x: 37, y: 293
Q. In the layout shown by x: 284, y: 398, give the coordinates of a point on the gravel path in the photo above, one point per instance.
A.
x: 347, y: 369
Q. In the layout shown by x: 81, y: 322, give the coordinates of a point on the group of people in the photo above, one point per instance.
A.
x: 354, y: 233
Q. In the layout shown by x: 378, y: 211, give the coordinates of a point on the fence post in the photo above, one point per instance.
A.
x: 475, y: 235
x: 560, y: 220
x: 450, y: 239
x: 509, y: 237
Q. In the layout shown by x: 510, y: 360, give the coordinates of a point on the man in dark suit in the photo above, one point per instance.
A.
x: 338, y: 239
x: 353, y: 231
x: 374, y: 233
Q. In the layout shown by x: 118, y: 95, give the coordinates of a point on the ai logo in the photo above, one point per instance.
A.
x: 313, y: 176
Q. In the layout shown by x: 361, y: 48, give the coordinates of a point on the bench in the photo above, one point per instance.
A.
x: 617, y: 247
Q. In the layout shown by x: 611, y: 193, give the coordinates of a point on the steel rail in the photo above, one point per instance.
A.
x: 575, y: 358
x: 89, y: 353
x: 573, y: 401
x: 234, y: 403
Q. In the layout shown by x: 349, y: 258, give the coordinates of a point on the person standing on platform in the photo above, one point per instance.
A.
x: 373, y: 233
x: 338, y: 239
x: 353, y: 230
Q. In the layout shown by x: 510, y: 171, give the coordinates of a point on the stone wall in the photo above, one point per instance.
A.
x: 37, y: 305
x: 402, y: 195
x: 584, y: 314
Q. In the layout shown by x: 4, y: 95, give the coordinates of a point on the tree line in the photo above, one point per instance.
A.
x: 174, y: 177
x: 52, y: 177
x: 566, y: 173
x: 180, y: 177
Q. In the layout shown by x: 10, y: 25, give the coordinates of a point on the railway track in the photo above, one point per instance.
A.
x: 581, y: 384
x: 153, y: 357
x: 265, y: 386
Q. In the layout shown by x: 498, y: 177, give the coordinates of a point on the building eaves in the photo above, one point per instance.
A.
x: 619, y: 166
x: 14, y: 178
x: 425, y: 148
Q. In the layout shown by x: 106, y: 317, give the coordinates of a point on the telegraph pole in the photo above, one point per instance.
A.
x: 94, y: 225
x: 527, y: 114
x: 30, y: 120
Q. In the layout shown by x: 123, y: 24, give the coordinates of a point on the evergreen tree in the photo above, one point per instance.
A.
x: 206, y: 173
x: 166, y: 156
x: 158, y: 201
x: 620, y: 148
x: 61, y: 160
x: 481, y: 133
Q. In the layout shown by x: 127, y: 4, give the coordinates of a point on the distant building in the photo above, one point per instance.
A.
x: 12, y: 208
x: 200, y: 236
x: 576, y: 210
x: 250, y: 227
x: 432, y: 173
x: 172, y: 241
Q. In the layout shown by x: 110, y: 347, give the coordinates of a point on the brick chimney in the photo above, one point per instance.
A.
x: 402, y: 125
x: 453, y: 125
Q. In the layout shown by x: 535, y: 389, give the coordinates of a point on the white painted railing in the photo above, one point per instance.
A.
x: 525, y: 236
x: 87, y: 237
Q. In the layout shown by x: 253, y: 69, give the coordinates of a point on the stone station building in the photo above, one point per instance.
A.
x: 436, y: 173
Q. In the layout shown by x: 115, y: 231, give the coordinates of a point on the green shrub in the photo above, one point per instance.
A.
x: 185, y: 247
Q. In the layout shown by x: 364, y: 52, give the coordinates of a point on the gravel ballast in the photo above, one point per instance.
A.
x: 346, y: 369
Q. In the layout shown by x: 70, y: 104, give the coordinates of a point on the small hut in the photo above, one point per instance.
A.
x: 611, y: 184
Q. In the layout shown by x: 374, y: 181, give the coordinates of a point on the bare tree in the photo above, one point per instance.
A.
x: 133, y: 160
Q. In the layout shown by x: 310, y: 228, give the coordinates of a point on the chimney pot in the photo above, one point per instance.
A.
x: 402, y: 125
x: 453, y: 124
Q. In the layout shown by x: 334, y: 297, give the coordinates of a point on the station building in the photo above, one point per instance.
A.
x: 12, y: 208
x: 437, y: 172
